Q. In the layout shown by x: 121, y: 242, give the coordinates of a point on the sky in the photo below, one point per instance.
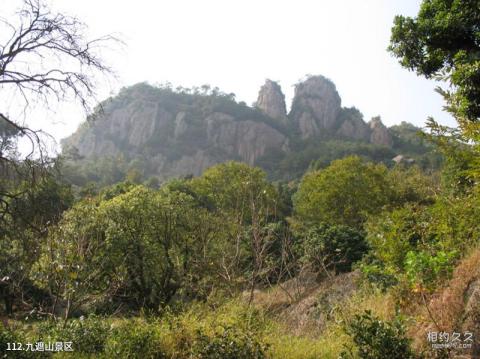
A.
x: 236, y: 45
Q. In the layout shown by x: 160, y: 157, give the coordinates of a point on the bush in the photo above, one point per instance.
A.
x: 87, y: 335
x: 375, y: 338
x: 391, y: 235
x: 230, y: 343
x: 425, y: 269
x: 374, y: 272
x: 333, y: 247
x: 7, y: 337
x: 134, y: 340
x: 419, y: 245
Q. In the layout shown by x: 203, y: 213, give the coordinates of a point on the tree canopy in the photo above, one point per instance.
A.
x: 344, y: 193
x: 443, y: 42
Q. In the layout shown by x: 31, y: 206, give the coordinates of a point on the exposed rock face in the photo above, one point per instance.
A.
x: 187, y: 164
x: 175, y: 140
x: 380, y: 134
x: 271, y: 100
x: 133, y: 125
x: 353, y: 125
x: 316, y: 105
x: 181, y: 125
x: 180, y: 133
x: 356, y: 129
x: 247, y: 139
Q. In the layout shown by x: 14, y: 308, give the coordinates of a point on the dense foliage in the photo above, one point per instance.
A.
x: 377, y: 339
x: 344, y: 193
x: 334, y: 247
x: 126, y: 266
x: 443, y: 41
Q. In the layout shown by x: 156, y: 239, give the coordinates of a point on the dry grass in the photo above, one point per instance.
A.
x: 302, y: 305
x: 304, y: 330
x: 328, y: 346
x: 278, y: 297
x: 305, y: 307
x: 447, y: 306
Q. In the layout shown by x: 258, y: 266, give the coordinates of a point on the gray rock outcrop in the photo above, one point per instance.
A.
x: 352, y: 125
x: 401, y: 159
x: 132, y: 125
x: 379, y: 133
x: 180, y: 133
x: 247, y: 140
x: 175, y: 140
x: 316, y: 106
x: 355, y: 129
x: 271, y: 101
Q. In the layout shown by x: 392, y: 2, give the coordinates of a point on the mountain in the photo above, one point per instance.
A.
x: 163, y: 132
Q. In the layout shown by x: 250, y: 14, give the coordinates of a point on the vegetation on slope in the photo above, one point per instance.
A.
x: 358, y: 259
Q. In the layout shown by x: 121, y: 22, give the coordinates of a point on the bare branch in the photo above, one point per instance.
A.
x: 46, y: 57
x: 73, y: 61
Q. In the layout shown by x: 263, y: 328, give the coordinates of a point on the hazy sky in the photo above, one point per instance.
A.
x: 236, y: 45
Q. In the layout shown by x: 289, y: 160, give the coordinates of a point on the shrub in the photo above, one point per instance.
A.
x: 87, y: 335
x: 134, y: 340
x: 8, y: 337
x: 425, y: 269
x: 230, y: 343
x: 374, y: 271
x: 391, y: 235
x: 375, y: 338
x: 333, y: 247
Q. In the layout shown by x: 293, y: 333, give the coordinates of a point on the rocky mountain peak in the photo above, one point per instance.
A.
x: 316, y: 105
x: 177, y: 132
x: 271, y: 100
x: 379, y: 132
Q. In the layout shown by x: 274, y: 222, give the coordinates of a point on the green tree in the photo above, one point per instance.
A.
x: 461, y: 165
x: 412, y: 185
x: 133, y: 176
x: 334, y: 247
x: 32, y: 213
x: 376, y: 339
x: 344, y: 193
x: 134, y: 247
x: 145, y: 233
x: 238, y: 189
x: 442, y: 41
x: 74, y: 262
x: 247, y: 204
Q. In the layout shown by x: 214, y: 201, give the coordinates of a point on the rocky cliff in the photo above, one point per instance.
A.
x: 317, y: 110
x: 271, y: 101
x: 379, y: 133
x: 176, y: 133
x: 316, y: 106
x: 184, y: 131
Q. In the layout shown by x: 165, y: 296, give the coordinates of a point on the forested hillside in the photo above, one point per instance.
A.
x: 179, y: 223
